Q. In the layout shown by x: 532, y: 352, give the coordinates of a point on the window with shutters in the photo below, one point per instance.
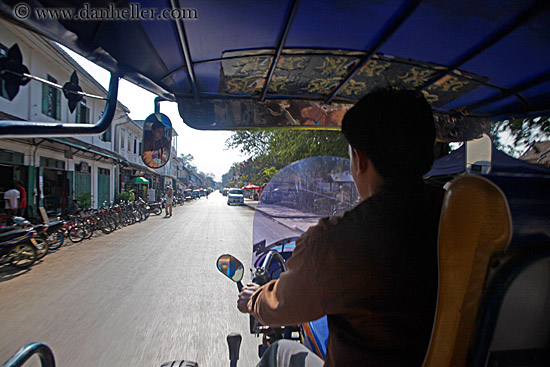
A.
x: 82, y: 113
x: 51, y: 99
x: 106, y: 136
x: 3, y: 52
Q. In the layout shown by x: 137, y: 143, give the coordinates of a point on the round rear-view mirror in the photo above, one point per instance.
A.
x: 157, y: 140
x: 231, y: 267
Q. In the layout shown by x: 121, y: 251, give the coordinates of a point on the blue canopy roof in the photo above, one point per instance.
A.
x: 501, y: 163
x: 249, y: 63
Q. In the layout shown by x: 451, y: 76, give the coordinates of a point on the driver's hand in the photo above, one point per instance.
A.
x: 244, y: 297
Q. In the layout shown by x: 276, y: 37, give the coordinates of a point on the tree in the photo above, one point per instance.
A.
x: 274, y: 149
x: 251, y: 142
x: 187, y: 161
x: 515, y: 136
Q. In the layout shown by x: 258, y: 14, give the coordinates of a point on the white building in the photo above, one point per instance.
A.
x: 56, y: 170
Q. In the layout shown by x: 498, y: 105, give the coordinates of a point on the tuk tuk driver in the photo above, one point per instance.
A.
x: 372, y: 270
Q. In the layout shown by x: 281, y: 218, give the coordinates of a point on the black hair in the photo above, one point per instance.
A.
x: 395, y: 129
x: 157, y: 125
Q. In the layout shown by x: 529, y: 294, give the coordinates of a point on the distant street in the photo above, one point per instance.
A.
x: 143, y: 295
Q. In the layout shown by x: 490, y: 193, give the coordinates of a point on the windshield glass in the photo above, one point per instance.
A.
x: 236, y: 192
x: 299, y: 195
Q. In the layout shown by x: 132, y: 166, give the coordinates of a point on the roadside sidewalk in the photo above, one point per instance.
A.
x: 290, y: 218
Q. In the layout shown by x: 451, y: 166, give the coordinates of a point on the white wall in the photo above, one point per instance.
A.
x: 42, y: 60
x: 130, y: 132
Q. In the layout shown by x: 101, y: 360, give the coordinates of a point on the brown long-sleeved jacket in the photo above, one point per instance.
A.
x: 372, y: 271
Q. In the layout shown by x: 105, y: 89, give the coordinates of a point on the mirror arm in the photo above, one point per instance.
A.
x: 239, y: 286
x: 157, y: 103
x: 25, y: 129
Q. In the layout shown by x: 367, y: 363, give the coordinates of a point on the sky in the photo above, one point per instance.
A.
x: 207, y: 147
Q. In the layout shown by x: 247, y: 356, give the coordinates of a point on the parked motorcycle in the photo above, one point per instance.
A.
x: 155, y: 208
x: 53, y: 234
x: 295, y: 199
x: 17, y: 248
x: 41, y: 242
x: 179, y: 200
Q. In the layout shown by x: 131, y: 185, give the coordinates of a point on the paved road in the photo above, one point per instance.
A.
x: 143, y: 295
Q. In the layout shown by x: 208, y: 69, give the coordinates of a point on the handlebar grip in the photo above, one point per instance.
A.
x: 234, y: 343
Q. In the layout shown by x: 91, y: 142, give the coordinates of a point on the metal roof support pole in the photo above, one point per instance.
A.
x: 508, y: 93
x: 525, y: 16
x: 22, y: 129
x: 391, y: 27
x: 185, y: 49
x: 280, y: 45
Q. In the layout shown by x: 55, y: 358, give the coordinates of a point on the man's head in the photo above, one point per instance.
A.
x: 157, y: 129
x: 395, y: 130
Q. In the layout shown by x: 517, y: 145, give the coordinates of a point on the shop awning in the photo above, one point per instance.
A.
x: 87, y: 148
x: 250, y: 187
x: 141, y: 168
x: 139, y: 181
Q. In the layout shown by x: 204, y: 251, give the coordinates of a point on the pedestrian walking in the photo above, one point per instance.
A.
x: 22, y: 198
x: 11, y: 198
x: 169, y: 200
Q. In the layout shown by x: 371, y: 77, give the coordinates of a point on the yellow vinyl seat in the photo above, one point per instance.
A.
x: 475, y: 224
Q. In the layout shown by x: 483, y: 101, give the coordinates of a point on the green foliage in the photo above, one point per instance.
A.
x: 272, y: 150
x: 251, y: 142
x: 187, y: 160
x: 123, y: 196
x: 84, y: 200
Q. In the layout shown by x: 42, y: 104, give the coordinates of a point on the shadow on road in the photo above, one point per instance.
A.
x: 8, y: 272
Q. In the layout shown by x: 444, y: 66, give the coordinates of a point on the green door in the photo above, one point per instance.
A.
x: 82, y: 185
x: 103, y: 186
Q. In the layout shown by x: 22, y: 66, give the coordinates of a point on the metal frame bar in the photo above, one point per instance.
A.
x: 284, y: 52
x: 311, y: 54
x: 206, y: 61
x: 54, y: 85
x: 186, y: 52
x: 391, y: 27
x: 508, y: 93
x: 44, y: 353
x: 280, y: 45
x: 208, y: 95
x: 24, y: 129
x: 526, y: 15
